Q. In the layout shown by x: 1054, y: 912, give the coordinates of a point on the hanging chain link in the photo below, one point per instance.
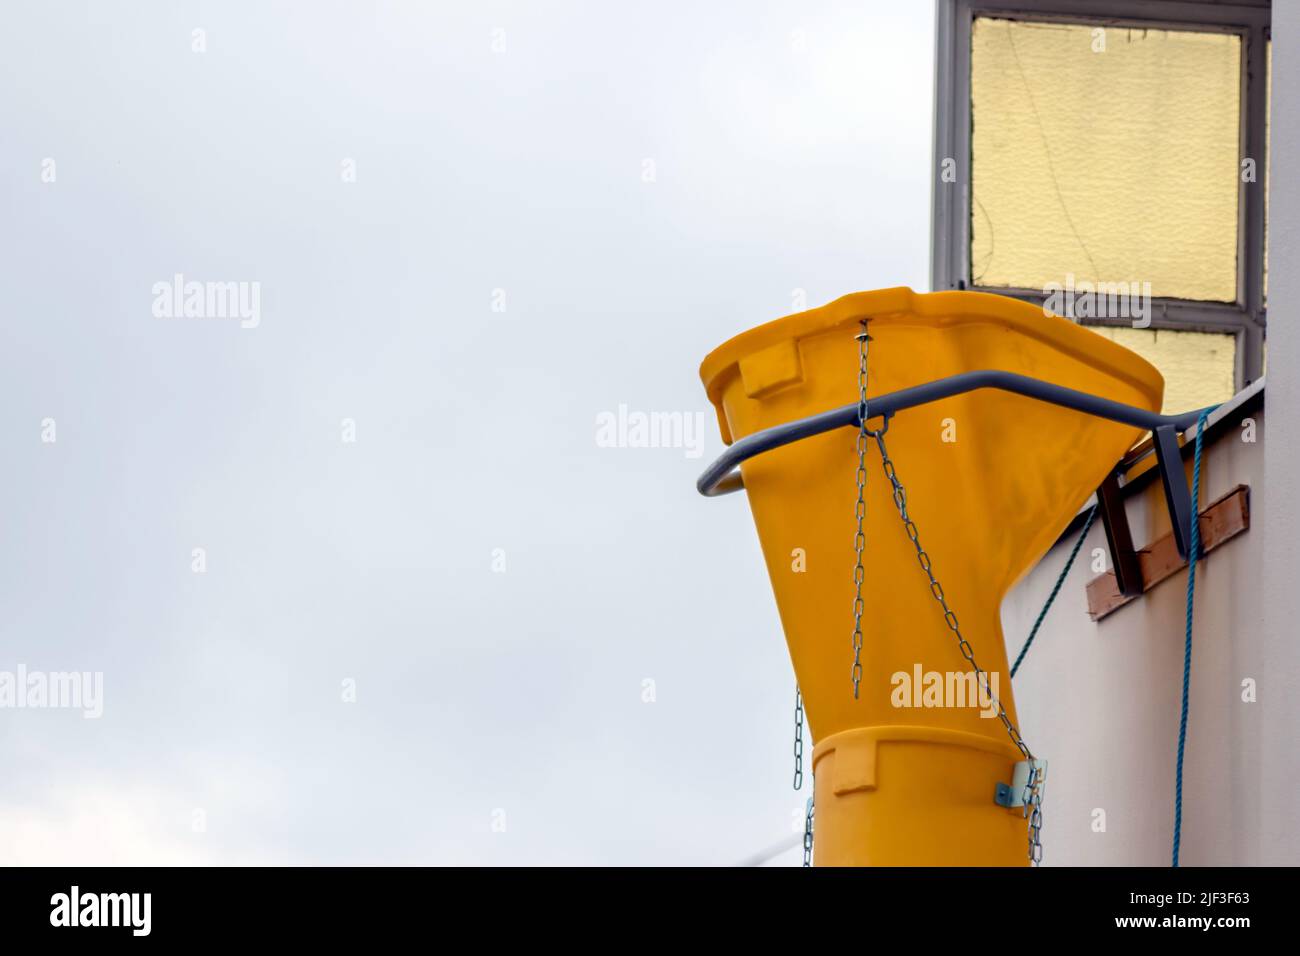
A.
x: 1032, y: 796
x: 860, y: 509
x: 808, y: 832
x: 798, y: 775
x: 798, y: 738
x: 936, y: 590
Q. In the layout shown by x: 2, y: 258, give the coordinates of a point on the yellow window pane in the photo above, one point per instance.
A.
x: 1106, y: 154
x: 1197, y: 366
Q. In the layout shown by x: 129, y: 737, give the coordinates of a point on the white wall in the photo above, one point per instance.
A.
x: 1279, y: 780
x: 1101, y: 700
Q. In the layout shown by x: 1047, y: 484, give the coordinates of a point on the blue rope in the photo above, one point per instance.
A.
x: 1069, y: 563
x: 1194, y: 552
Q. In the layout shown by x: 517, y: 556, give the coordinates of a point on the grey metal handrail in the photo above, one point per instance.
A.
x: 723, y: 475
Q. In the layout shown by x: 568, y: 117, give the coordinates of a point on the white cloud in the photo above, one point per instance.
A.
x: 99, y: 825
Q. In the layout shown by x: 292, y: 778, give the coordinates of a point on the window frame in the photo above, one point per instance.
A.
x: 950, y: 228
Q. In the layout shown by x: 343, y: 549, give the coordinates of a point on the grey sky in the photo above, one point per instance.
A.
x: 790, y: 147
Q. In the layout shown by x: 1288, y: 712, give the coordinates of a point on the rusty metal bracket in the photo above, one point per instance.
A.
x: 1221, y: 521
x: 1114, y: 519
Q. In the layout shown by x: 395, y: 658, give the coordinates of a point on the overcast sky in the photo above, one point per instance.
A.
x: 474, y: 229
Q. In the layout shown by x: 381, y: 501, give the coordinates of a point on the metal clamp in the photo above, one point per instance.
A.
x: 1013, y: 794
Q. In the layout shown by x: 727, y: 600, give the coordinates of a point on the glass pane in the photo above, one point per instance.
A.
x: 1197, y: 366
x: 1106, y: 154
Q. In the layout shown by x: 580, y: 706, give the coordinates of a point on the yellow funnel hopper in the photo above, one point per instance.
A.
x: 906, y: 773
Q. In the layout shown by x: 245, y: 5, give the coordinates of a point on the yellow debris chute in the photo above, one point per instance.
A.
x: 906, y: 774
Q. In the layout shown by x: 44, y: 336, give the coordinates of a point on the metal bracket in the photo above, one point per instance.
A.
x: 1174, y: 479
x: 1114, y: 518
x: 1013, y: 794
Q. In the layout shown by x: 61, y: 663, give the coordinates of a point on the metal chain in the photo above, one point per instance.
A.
x: 798, y: 775
x: 798, y: 738
x: 860, y: 509
x: 808, y: 832
x: 1032, y: 796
